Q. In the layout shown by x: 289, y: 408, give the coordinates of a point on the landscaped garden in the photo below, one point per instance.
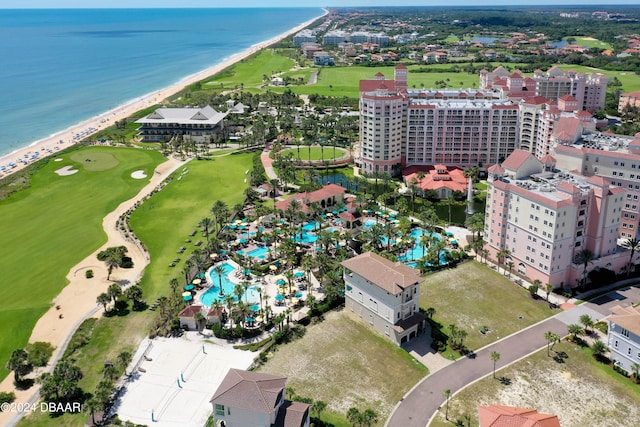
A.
x: 342, y: 362
x: 53, y: 224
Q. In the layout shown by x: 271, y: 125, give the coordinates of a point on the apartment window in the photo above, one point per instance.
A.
x: 219, y: 409
x: 624, y: 332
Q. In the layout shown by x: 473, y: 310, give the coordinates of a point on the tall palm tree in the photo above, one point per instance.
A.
x: 494, y: 356
x: 632, y: 245
x: 584, y: 257
x: 447, y: 395
x: 219, y: 270
x: 114, y: 260
x: 502, y: 255
x: 207, y: 225
x: 229, y: 301
x: 551, y: 338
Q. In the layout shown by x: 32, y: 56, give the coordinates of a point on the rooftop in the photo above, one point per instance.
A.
x: 390, y: 276
x: 252, y: 391
x: 627, y: 317
x: 508, y: 416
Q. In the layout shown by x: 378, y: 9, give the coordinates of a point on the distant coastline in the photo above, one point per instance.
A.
x: 22, y: 157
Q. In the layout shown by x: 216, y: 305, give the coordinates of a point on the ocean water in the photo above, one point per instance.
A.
x: 60, y: 67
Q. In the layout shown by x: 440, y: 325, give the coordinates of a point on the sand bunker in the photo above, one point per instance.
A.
x: 67, y: 170
x: 57, y: 160
x: 138, y: 174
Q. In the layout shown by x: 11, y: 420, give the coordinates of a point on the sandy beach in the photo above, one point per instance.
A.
x: 21, y: 158
x: 77, y: 301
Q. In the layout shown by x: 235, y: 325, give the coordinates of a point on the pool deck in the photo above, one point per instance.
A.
x: 156, y: 392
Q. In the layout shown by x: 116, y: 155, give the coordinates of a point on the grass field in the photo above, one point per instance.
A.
x: 343, y: 363
x: 163, y: 223
x: 52, y: 225
x: 250, y: 71
x: 472, y: 296
x: 599, y: 397
x: 315, y: 153
x: 591, y: 42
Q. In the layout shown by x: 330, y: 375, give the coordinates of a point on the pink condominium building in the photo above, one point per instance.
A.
x: 545, y: 217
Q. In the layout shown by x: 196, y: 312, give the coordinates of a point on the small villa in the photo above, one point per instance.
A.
x: 440, y: 178
x: 326, y: 197
x: 188, y: 316
x: 623, y: 336
x: 385, y: 295
x: 258, y: 400
x: 509, y: 416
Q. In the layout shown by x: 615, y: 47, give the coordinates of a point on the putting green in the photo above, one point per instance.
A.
x: 95, y: 161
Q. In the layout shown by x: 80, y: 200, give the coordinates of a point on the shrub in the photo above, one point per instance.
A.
x: 7, y: 396
x: 39, y: 353
x: 88, y: 274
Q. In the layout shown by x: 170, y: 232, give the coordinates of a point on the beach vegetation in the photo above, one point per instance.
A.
x: 39, y: 353
x: 7, y: 396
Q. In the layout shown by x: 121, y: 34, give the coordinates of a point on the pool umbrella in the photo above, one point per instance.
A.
x: 280, y: 282
x: 247, y: 272
x: 196, y: 281
x: 187, y: 297
x: 279, y: 297
x: 186, y: 294
x: 188, y: 288
x: 299, y: 274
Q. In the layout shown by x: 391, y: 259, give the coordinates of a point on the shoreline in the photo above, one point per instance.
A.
x: 48, y: 146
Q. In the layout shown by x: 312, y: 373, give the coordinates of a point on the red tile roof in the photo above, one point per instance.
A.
x: 516, y: 159
x: 190, y: 311
x: 305, y: 199
x: 497, y: 169
x: 507, y: 416
x: 548, y: 159
x: 453, y: 179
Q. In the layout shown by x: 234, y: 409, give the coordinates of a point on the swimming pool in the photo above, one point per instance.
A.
x: 260, y: 252
x: 369, y: 223
x: 311, y: 226
x: 305, y: 237
x: 213, y: 293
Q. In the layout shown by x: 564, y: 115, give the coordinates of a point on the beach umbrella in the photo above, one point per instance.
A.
x: 187, y: 297
x: 273, y: 268
x: 299, y: 274
x: 188, y: 288
x: 279, y: 297
x: 186, y: 294
x: 280, y: 282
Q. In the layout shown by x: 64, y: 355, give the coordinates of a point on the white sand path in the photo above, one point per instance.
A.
x: 77, y: 300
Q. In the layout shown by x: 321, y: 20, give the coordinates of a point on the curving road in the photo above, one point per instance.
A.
x: 421, y: 403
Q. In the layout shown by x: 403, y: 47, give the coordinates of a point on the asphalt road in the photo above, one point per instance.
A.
x: 421, y: 403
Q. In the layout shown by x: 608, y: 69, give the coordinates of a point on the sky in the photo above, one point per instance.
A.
x: 48, y: 4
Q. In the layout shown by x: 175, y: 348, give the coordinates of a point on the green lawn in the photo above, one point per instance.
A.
x: 343, y: 363
x: 599, y: 397
x: 315, y: 153
x: 590, y: 42
x: 250, y: 71
x: 54, y: 224
x: 163, y: 223
x: 472, y: 296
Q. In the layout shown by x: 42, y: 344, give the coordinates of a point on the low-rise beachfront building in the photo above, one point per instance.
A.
x: 510, y: 416
x: 623, y: 337
x: 384, y: 294
x: 628, y: 100
x: 201, y: 125
x: 545, y: 217
x: 254, y: 399
x: 304, y: 36
x: 614, y: 157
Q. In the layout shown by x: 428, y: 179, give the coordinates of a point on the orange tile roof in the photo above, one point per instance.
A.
x: 516, y: 159
x: 190, y: 311
x: 508, y: 416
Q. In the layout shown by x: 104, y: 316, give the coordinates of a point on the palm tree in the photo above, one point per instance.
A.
x: 510, y: 264
x: 598, y: 349
x: 114, y: 291
x: 587, y: 322
x: 502, y: 255
x: 632, y: 245
x: 289, y: 276
x: 494, y: 356
x: 575, y: 330
x: 584, y: 257
x: 229, y: 302
x: 134, y: 293
x: 114, y: 260
x: 103, y: 299
x: 551, y: 338
x: 548, y: 289
x: 219, y: 270
x: 92, y: 406
x: 207, y: 225
x: 635, y: 369
x: 447, y: 395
